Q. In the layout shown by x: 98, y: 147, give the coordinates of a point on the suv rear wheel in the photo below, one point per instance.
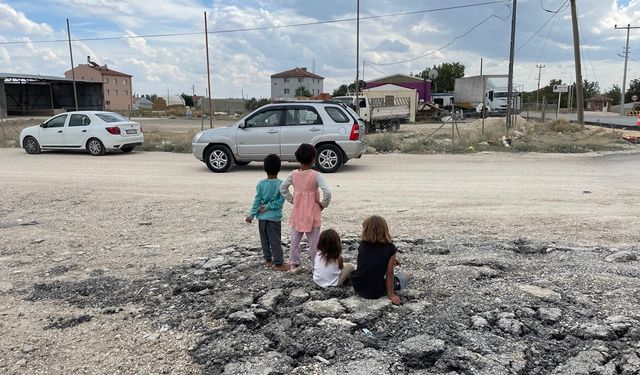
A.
x: 218, y: 158
x: 329, y: 158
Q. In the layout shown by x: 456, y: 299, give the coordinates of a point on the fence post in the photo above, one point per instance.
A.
x: 544, y: 107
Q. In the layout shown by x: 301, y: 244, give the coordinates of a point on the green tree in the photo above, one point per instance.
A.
x: 188, y: 99
x: 590, y: 89
x: 341, y: 91
x: 634, y: 89
x: 152, y: 98
x: 303, y: 92
x: 352, y: 87
x: 447, y: 74
x: 614, y: 93
x: 253, y: 103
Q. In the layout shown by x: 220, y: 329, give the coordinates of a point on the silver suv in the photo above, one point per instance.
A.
x: 333, y: 128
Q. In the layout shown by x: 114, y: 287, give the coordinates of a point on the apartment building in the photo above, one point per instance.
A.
x: 285, y: 84
x: 116, y: 85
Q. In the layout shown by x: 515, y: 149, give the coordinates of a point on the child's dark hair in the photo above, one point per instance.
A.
x: 305, y: 153
x: 329, y: 245
x: 272, y: 164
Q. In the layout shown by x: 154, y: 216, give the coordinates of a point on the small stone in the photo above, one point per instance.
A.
x: 479, y: 322
x: 338, y: 323
x: 511, y: 326
x: 421, y: 351
x: 298, y: 296
x: 320, y: 359
x: 199, y: 272
x: 152, y: 336
x: 549, y: 314
x: 37, y: 241
x: 214, y: 263
x: 28, y: 349
x: 331, y: 307
x: 244, y: 316
x: 592, y: 331
x: 542, y: 293
x: 620, y: 324
x: 270, y: 298
x: 622, y: 257
x: 204, y: 292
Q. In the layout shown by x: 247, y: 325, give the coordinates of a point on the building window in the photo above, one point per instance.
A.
x: 124, y: 81
x: 287, y: 91
x: 115, y: 92
x: 126, y: 92
x: 105, y: 80
x: 108, y: 102
x: 275, y: 83
x: 107, y: 91
x: 286, y: 80
x: 115, y: 81
x: 300, y: 79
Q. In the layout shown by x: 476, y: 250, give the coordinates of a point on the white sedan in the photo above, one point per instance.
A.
x: 94, y: 131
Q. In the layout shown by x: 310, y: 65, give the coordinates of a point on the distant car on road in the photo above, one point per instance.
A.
x: 334, y: 129
x: 94, y: 131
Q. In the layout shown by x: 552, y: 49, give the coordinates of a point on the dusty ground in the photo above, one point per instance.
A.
x: 101, y: 268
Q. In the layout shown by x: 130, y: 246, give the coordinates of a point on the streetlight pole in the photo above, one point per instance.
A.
x: 626, y: 58
x: 357, y: 55
x: 576, y: 53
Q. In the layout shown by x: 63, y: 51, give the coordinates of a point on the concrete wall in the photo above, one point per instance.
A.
x: 230, y: 106
x: 3, y: 100
x: 285, y: 88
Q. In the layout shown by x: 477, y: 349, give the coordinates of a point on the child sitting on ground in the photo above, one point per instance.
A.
x: 267, y: 207
x: 377, y: 258
x: 329, y: 268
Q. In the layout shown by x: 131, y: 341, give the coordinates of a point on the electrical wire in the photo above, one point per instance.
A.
x: 534, y: 34
x: 376, y: 69
x: 443, y: 47
x: 540, y: 52
x: 260, y: 28
x: 595, y: 76
x: 551, y: 11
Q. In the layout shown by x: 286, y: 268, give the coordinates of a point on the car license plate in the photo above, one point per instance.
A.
x: 131, y: 131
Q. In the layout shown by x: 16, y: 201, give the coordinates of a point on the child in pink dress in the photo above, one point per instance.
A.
x: 305, y: 216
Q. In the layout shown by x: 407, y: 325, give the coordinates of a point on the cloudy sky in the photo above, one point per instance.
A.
x: 244, y: 60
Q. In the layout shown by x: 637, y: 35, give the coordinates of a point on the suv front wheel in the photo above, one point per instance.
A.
x: 329, y: 158
x: 218, y: 158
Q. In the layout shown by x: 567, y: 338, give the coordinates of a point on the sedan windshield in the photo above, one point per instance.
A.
x: 111, y: 117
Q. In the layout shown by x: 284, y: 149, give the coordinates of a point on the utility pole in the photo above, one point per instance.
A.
x: 357, y: 55
x: 576, y: 53
x: 626, y: 57
x: 539, y: 66
x: 511, y: 58
x: 206, y: 42
x: 73, y: 71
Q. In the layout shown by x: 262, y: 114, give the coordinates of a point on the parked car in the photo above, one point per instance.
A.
x: 94, y: 131
x: 333, y: 128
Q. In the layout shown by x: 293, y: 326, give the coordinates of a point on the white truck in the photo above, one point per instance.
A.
x: 471, y: 92
x: 380, y: 113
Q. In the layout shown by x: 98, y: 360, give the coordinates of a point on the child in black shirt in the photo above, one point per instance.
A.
x: 377, y: 258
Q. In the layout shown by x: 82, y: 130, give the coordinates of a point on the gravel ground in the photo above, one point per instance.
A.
x: 142, y: 263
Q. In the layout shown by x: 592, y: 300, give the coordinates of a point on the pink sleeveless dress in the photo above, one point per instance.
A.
x: 305, y: 215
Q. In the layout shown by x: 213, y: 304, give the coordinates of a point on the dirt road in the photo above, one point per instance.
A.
x: 69, y: 216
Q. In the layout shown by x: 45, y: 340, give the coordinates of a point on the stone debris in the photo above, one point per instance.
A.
x: 549, y: 314
x: 622, y: 257
x: 328, y: 308
x: 421, y: 351
x: 334, y: 322
x: 542, y: 293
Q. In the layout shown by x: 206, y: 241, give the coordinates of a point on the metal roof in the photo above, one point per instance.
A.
x: 38, y: 77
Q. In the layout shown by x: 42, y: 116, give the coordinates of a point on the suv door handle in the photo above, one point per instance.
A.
x: 315, y: 129
x: 84, y: 131
x: 272, y: 131
x: 59, y: 131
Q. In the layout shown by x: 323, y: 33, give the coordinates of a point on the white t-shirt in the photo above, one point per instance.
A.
x: 325, y: 275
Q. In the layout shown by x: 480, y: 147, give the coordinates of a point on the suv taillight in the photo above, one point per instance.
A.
x: 355, y: 132
x: 113, y: 130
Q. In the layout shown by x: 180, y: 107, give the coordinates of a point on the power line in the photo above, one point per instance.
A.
x: 583, y: 48
x: 443, y: 47
x: 534, y: 34
x: 262, y: 28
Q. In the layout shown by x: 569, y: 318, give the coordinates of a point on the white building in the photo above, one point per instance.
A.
x: 285, y: 84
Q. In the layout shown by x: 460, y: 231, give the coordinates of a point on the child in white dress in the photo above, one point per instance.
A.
x: 329, y: 269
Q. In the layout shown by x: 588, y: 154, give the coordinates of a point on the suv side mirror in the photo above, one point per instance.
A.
x: 242, y: 125
x: 43, y: 125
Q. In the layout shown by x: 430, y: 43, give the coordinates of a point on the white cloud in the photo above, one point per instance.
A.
x: 11, y: 19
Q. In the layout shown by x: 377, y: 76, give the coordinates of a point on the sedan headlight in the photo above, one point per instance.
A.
x: 197, y: 137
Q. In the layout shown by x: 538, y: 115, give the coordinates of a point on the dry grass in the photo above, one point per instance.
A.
x: 10, y: 131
